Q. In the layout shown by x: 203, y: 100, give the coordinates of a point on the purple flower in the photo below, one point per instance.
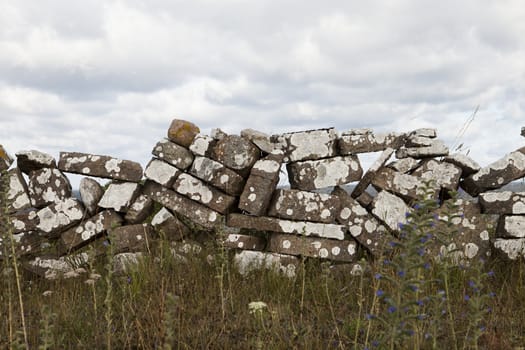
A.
x: 380, y: 293
x: 392, y: 309
x: 490, y: 273
x: 378, y: 276
x: 466, y: 297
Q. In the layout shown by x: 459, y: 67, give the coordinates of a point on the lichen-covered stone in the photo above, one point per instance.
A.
x: 313, y: 247
x: 304, y: 228
x: 436, y: 149
x: 497, y: 174
x: 511, y: 249
x: 48, y: 186
x: 464, y: 162
x: 217, y: 175
x: 58, y: 217
x: 365, y: 199
x: 406, y: 186
x: 26, y: 243
x: 217, y: 134
x: 197, y: 190
x: 441, y: 174
x: 247, y: 261
x: 193, y: 211
x: 24, y: 221
x: 203, y: 145
x: 52, y: 268
x: 123, y: 263
x: 365, y: 140
x: 260, y: 139
x: 88, y: 230
x: 17, y: 196
x: 404, y: 165
x: 317, y: 174
x: 303, y: 205
x: 90, y: 192
x: 32, y: 160
x: 424, y: 132
x: 161, y: 172
x: 390, y: 210
x: 241, y: 241
x: 366, y: 180
x: 169, y: 226
x: 307, y: 145
x: 171, y: 153
x: 139, y: 211
x: 132, y: 238
x: 511, y: 226
x: 182, y: 132
x: 236, y: 153
x: 100, y: 166
x: 502, y: 202
x: 119, y: 196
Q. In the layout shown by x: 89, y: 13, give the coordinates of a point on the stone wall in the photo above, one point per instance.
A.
x: 225, y: 188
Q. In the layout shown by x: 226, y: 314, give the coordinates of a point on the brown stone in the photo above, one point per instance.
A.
x: 48, y: 186
x: 197, y: 190
x: 100, y: 166
x: 364, y: 140
x: 390, y: 210
x: 203, y: 145
x: 313, y: 247
x: 5, y: 159
x: 16, y: 193
x: 139, y: 210
x: 173, y: 154
x: 132, y: 238
x: 236, y: 153
x: 193, y: 211
x: 307, y: 145
x: 91, y: 192
x: 497, y: 174
x: 467, y: 164
x: 28, y: 161
x: 29, y: 243
x: 119, y: 196
x: 58, y: 217
x: 240, y: 241
x: 304, y: 228
x: 511, y: 226
x: 502, y: 202
x: 366, y: 180
x: 24, y: 221
x: 365, y: 199
x: 161, y: 172
x: 217, y: 175
x: 303, y: 205
x: 169, y: 226
x: 182, y: 132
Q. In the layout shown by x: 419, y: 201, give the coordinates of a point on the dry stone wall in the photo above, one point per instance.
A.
x: 226, y: 187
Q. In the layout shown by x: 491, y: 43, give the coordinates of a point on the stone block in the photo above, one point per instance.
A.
x: 217, y: 175
x: 504, y: 202
x: 17, y: 197
x: 171, y: 153
x: 217, y: 134
x: 48, y: 186
x: 119, y: 196
x: 29, y: 243
x: 365, y: 199
x: 161, y: 172
x: 366, y: 180
x: 197, y: 190
x: 240, y: 241
x: 90, y: 192
x: 303, y: 205
x: 362, y: 225
x: 260, y: 139
x: 511, y: 249
x: 404, y: 165
x: 89, y: 230
x: 269, y: 166
x: 441, y: 174
x: 24, y: 221
x: 262, y: 223
x: 511, y: 226
x: 406, y: 186
x: 436, y: 149
x: 52, y: 268
x: 316, y: 174
x: 5, y: 159
x: 307, y: 145
x: 139, y: 210
x: 169, y: 226
x: 247, y: 261
x: 365, y: 140
x: 100, y: 166
x: 424, y: 132
x: 123, y: 263
x: 182, y: 132
x: 193, y: 211
x: 313, y: 247
x: 464, y: 162
x: 58, y: 217
x: 32, y: 160
x: 132, y: 238
x: 497, y: 174
x: 203, y: 145
x: 390, y: 210
x: 236, y: 153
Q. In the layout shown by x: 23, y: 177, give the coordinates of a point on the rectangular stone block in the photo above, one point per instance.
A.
x: 236, y: 153
x: 17, y: 196
x: 29, y: 243
x: 467, y: 165
x: 203, y: 145
x: 497, y: 174
x: 48, y: 186
x: 404, y: 165
x: 366, y: 180
x: 240, y: 241
x: 436, y: 149
x: 406, y: 186
x: 511, y: 226
x: 5, y: 159
x: 260, y: 139
x: 119, y: 196
x: 28, y: 161
x: 247, y: 261
x: 173, y: 154
x: 307, y: 145
x: 217, y: 175
x: 390, y: 210
x: 510, y: 248
x: 197, y: 190
x: 88, y: 230
x: 193, y: 211
x: 100, y: 166
x: 58, y: 217
x: 24, y: 221
x: 305, y: 206
x: 90, y: 192
x: 169, y: 226
x: 441, y: 174
x: 182, y: 132
x: 262, y: 223
x: 364, y: 140
x: 424, y: 132
x: 504, y: 202
x: 161, y: 172
x: 132, y: 238
x: 139, y: 210
x: 316, y: 174
x: 313, y: 247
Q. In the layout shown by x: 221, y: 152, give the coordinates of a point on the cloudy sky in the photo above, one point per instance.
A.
x: 107, y: 77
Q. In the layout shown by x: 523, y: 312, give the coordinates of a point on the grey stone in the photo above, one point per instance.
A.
x: 363, y: 141
x: 197, y: 190
x: 441, y: 174
x: 91, y: 192
x: 24, y: 221
x: 260, y: 139
x: 366, y: 180
x: 241, y: 241
x: 304, y: 228
x: 17, y: 197
x: 247, y: 261
x: 511, y: 226
x: 132, y: 238
x: 5, y: 159
x: 217, y: 175
x: 303, y: 205
x: 52, y: 268
x: 119, y: 196
x: 390, y: 210
x: 173, y: 154
x: 193, y: 211
x: 32, y: 160
x: 182, y: 132
x: 467, y: 164
x: 100, y: 166
x: 161, y: 172
x: 29, y: 243
x: 169, y: 226
x: 203, y: 145
x: 123, y: 263
x: 328, y: 172
x: 424, y: 132
x: 218, y: 134
x: 139, y: 210
x: 502, y: 202
x: 313, y: 247
x: 436, y: 149
x: 404, y: 165
x: 307, y: 145
x: 58, y: 217
x: 236, y: 153
x: 511, y: 249
x: 48, y: 186
x: 497, y: 174
x: 406, y: 186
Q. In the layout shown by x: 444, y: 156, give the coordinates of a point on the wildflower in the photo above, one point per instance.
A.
x: 257, y: 306
x: 380, y: 293
x: 401, y: 273
x: 490, y: 273
x: 482, y: 328
x: 492, y: 294
x: 400, y: 225
x: 378, y: 276
x: 417, y: 206
x: 375, y: 343
x: 410, y: 332
x: 414, y: 288
x: 386, y: 262
x: 471, y: 284
x: 392, y: 309
x: 392, y: 244
x: 129, y: 279
x: 420, y: 302
x: 421, y: 317
x: 369, y: 316
x: 466, y: 297
x: 421, y: 252
x: 105, y: 243
x: 426, y: 266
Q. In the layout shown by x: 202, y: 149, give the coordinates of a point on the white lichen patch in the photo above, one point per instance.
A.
x: 252, y: 197
x: 513, y: 248
x: 336, y: 251
x: 193, y: 188
x: 113, y: 165
x: 495, y: 196
x: 161, y: 217
x: 17, y: 193
x: 514, y: 159
x: 323, y: 253
x: 470, y: 250
x: 74, y: 160
x: 345, y: 213
x: 312, y: 228
x: 484, y: 235
x: 286, y: 244
x: 311, y: 144
x: 201, y: 144
x: 332, y: 172
x: 119, y: 196
x: 390, y: 209
x: 267, y: 165
x: 515, y: 226
x: 61, y: 214
x: 247, y: 261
